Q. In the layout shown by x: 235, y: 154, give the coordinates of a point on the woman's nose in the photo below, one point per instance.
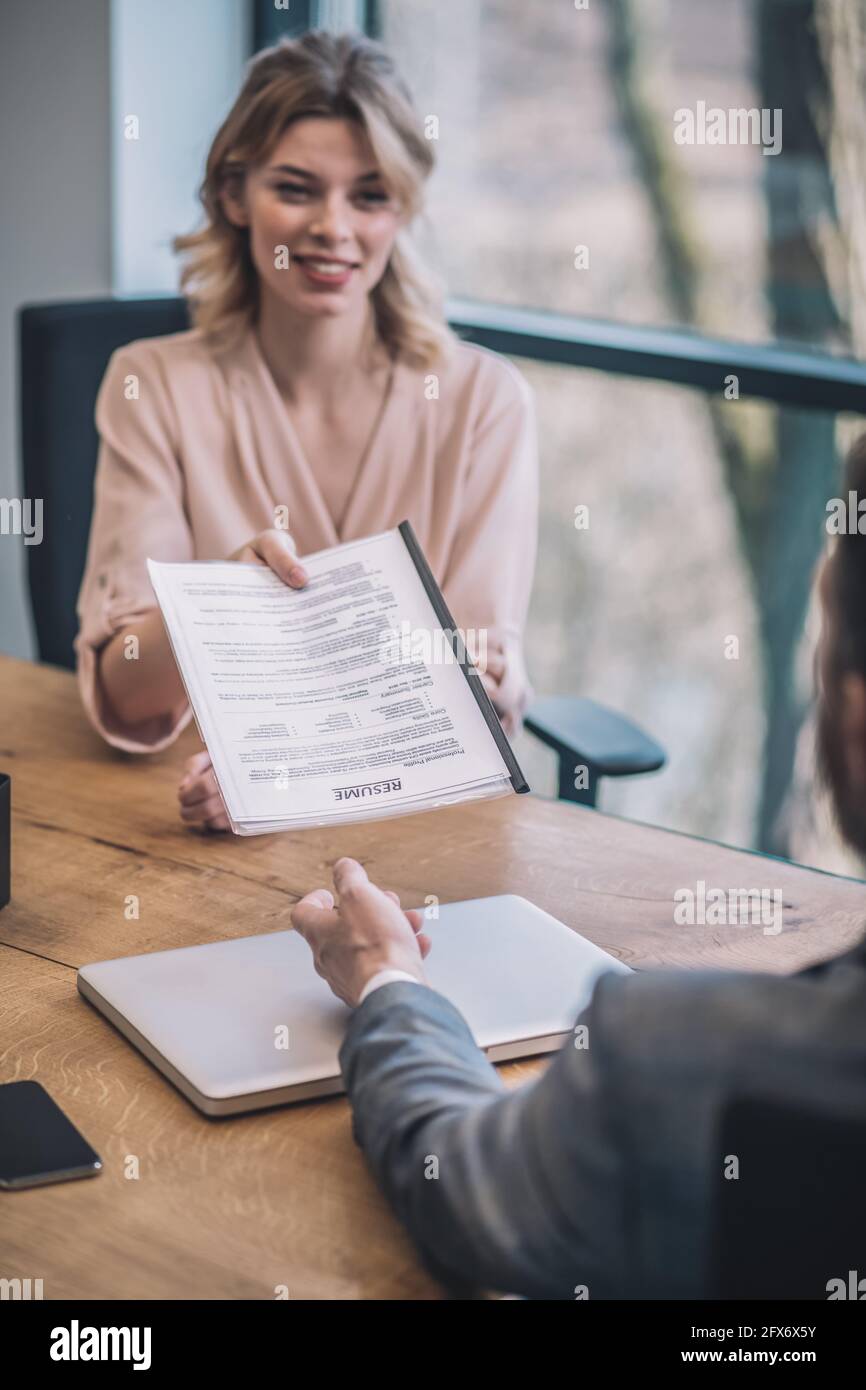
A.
x: 331, y: 220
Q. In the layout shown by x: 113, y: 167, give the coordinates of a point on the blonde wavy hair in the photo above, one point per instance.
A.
x: 319, y: 74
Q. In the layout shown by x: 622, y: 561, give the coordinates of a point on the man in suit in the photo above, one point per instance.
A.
x: 599, y: 1179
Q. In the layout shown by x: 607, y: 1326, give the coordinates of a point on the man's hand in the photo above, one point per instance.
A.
x: 367, y: 932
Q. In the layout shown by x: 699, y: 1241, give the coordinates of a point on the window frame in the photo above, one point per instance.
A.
x: 786, y: 375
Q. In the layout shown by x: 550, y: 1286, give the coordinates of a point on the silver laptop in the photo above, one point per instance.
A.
x: 241, y: 1025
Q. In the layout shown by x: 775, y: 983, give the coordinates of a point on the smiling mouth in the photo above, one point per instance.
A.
x: 326, y: 267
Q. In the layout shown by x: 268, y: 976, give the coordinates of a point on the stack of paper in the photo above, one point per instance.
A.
x: 345, y: 700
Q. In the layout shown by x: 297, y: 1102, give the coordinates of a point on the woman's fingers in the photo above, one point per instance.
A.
x: 199, y: 795
x: 198, y: 763
x: 209, y: 808
x: 247, y: 556
x: 491, y: 685
x: 493, y: 664
x: 198, y: 787
x: 275, y: 548
x: 202, y: 789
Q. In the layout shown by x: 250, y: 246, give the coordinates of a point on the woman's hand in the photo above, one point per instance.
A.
x: 276, y: 549
x: 366, y: 933
x: 505, y: 690
x: 503, y: 677
x: 199, y: 795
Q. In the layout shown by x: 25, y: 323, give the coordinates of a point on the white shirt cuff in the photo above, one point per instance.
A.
x: 385, y: 977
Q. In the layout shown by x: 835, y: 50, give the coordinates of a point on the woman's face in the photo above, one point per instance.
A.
x: 321, y: 220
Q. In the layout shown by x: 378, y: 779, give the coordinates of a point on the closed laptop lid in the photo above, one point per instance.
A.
x: 251, y: 1015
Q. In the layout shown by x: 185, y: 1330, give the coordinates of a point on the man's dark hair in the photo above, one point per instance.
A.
x: 844, y: 653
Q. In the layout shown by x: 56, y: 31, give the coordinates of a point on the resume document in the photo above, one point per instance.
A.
x: 351, y: 698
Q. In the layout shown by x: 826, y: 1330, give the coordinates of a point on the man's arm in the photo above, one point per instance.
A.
x: 519, y: 1191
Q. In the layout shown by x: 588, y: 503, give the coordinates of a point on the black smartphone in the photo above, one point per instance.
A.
x: 37, y: 1142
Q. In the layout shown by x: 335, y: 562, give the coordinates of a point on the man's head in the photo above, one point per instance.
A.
x: 840, y: 666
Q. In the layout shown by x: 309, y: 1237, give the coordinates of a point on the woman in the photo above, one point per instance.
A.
x: 320, y: 397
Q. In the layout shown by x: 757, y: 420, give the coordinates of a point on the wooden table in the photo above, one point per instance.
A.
x: 233, y: 1208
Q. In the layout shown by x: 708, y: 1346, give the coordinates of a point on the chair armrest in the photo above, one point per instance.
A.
x: 584, y: 732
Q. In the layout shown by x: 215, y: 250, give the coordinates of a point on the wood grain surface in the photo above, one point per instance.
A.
x: 234, y: 1208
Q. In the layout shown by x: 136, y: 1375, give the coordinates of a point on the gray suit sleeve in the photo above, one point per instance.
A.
x: 520, y: 1190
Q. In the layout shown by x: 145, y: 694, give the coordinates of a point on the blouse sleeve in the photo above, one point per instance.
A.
x: 489, y: 576
x: 138, y: 512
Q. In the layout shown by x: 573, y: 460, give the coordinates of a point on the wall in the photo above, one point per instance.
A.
x: 55, y: 227
x: 85, y: 211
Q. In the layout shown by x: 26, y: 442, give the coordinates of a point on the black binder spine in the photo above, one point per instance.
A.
x: 440, y: 608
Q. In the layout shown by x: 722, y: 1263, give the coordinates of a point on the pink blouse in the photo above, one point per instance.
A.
x: 198, y: 452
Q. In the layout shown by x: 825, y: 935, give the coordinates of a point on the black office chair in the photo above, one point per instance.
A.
x: 64, y: 351
x: 794, y: 1219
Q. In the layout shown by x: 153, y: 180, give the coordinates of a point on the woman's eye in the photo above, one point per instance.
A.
x: 371, y: 197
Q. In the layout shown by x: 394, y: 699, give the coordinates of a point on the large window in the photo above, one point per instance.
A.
x: 654, y: 595
x: 666, y: 165
x: 563, y: 182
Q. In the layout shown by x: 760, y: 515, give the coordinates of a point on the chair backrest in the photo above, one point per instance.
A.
x: 63, y: 353
x: 790, y: 1216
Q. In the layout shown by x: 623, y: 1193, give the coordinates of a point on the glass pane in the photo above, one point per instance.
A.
x: 562, y: 183
x: 682, y: 598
